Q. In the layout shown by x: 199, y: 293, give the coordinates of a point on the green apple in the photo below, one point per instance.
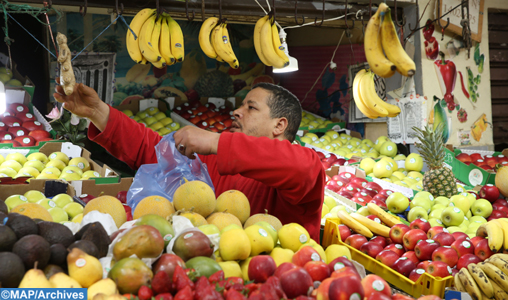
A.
x: 399, y: 157
x: 382, y: 168
x: 306, y: 139
x: 421, y: 202
x: 311, y: 135
x: 452, y: 216
x: 388, y: 148
x: 142, y: 114
x: 474, y: 226
x: 60, y: 156
x: 58, y: 214
x: 62, y: 200
x: 460, y: 188
x: 469, y: 214
x: 209, y: 229
x: 461, y: 202
x: 163, y: 131
x: 414, y: 162
x: 409, y: 181
x: 160, y: 116
x: 417, y: 213
x: 482, y: 208
x: 334, y: 210
x: 392, y: 163
x: 17, y: 157
x: 436, y: 213
x: 73, y: 209
x: 151, y: 111
x: 38, y: 156
x: 332, y: 134
x: 33, y: 196
x: 477, y: 219
x: 75, y: 169
x: 368, y: 142
x: 47, y: 203
x: 397, y: 202
x: 82, y: 163
x: 35, y: 164
x: 28, y: 171
x: 364, y: 211
x: 465, y: 224
x: 435, y: 222
x: 60, y: 165
x: 380, y: 140
x: 386, y: 179
x: 48, y: 174
x: 424, y: 195
x: 469, y: 197
x: 367, y: 164
x: 330, y: 202
x: 324, y: 141
x: 416, y: 175
x: 416, y: 186
x: 7, y: 172
x: 166, y: 121
x: 128, y: 112
x: 70, y: 175
x: 452, y: 229
x: 13, y: 164
x: 15, y: 200
x: 442, y: 200
x: 437, y: 206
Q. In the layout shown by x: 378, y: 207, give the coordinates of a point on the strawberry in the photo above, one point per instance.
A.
x: 462, y: 115
x: 200, y: 288
x: 230, y: 281
x: 304, y: 298
x: 145, y: 293
x: 274, y: 281
x: 181, y: 280
x: 252, y: 287
x: 216, y: 277
x: 269, y: 292
x: 256, y: 295
x: 233, y: 294
x: 130, y: 296
x: 209, y: 293
x: 164, y: 296
x: 186, y: 293
x: 161, y: 283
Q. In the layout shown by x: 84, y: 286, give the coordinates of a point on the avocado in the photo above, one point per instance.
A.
x: 21, y: 225
x: 58, y: 255
x: 98, y: 235
x: 79, y: 234
x: 7, y: 238
x: 37, y: 221
x: 87, y: 246
x: 32, y: 248
x: 56, y: 233
x: 12, y: 270
x: 2, y: 217
x: 51, y: 270
x: 3, y: 207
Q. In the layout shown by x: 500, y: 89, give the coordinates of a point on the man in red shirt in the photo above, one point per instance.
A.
x: 257, y: 157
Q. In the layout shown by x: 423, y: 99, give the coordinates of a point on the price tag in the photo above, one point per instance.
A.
x: 78, y: 186
x: 232, y: 100
x: 401, y: 164
x: 217, y: 101
x: 147, y: 103
x: 108, y: 171
x: 71, y: 150
x: 171, y: 102
x: 299, y: 133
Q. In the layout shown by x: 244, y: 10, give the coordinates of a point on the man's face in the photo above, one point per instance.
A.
x: 253, y: 116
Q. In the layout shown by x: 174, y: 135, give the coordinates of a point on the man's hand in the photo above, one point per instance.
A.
x: 190, y: 140
x: 84, y: 102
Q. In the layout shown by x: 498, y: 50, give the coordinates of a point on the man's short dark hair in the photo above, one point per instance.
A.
x: 283, y: 103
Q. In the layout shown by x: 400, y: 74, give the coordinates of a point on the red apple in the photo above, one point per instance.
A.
x: 375, y: 219
x: 122, y: 196
x: 485, y: 167
x: 420, y: 224
x: 464, y: 157
x: 501, y: 201
x: 86, y: 198
x: 340, y: 180
x: 401, y: 297
x: 423, y: 264
x: 347, y: 176
x: 404, y: 266
x: 345, y: 288
x: 294, y: 282
x: 18, y: 108
x: 491, y: 161
x: 167, y: 263
x: 378, y: 202
x: 219, y: 125
x: 261, y: 267
x: 412, y: 237
x: 397, y: 248
x: 378, y: 296
x: 374, y: 186
x: 33, y: 125
x: 463, y: 247
x: 430, y: 297
x: 353, y: 187
x: 318, y: 270
x: 202, y: 125
x: 283, y: 267
x: 39, y: 134
x: 366, y: 198
x: 374, y: 283
x: 478, y: 162
x: 387, y: 257
x: 345, y: 193
x: 11, y: 121
x: 415, y: 274
x: 359, y: 200
x: 19, y: 131
x: 502, y: 158
x: 25, y: 141
x: 372, y: 249
x: 475, y: 240
x: 474, y: 193
x: 397, y: 232
x: 439, y: 269
x: 425, y: 248
x: 13, y: 142
x: 482, y: 249
x: 412, y: 256
x: 466, y: 260
x: 454, y: 271
x: 128, y: 211
x: 25, y: 116
x: 304, y: 255
x: 380, y: 240
x: 339, y: 263
x: 460, y: 236
x: 228, y: 122
x: 340, y: 162
x: 496, y: 214
x: 362, y: 182
x: 344, y: 232
x: 6, y: 136
x: 434, y: 231
x: 3, y: 127
x: 380, y: 197
x: 367, y: 191
x: 444, y: 239
x: 356, y: 240
x: 386, y: 192
x: 447, y: 255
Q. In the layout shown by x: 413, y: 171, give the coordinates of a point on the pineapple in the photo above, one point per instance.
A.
x: 438, y: 180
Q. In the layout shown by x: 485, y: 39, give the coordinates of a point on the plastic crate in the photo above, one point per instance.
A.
x: 426, y: 284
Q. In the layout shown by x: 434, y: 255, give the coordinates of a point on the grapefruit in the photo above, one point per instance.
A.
x: 107, y: 205
x: 156, y: 205
x: 196, y: 196
x: 234, y: 202
x: 272, y: 220
x: 223, y: 219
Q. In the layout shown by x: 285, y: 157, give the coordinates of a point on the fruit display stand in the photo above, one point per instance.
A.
x: 425, y: 285
x: 93, y: 187
x: 44, y: 186
x: 333, y: 124
x: 137, y: 105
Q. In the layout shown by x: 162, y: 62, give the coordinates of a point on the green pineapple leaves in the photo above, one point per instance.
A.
x: 431, y: 145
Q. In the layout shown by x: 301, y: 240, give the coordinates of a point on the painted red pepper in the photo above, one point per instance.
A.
x: 448, y: 73
x: 428, y: 30
x: 464, y: 89
x: 431, y: 48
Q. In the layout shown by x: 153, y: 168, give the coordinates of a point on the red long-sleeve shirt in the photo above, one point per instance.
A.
x: 285, y: 179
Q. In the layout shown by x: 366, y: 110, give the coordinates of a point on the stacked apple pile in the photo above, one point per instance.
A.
x: 313, y: 122
x: 20, y: 128
x: 487, y: 162
x: 154, y: 119
x: 207, y: 116
x: 39, y: 166
x: 33, y: 203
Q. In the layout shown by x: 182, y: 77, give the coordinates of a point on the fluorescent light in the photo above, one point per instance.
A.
x: 293, y: 62
x: 2, y: 98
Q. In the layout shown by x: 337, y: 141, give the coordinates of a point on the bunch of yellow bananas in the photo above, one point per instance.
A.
x: 159, y: 39
x: 367, y: 100
x: 267, y: 43
x: 215, y: 43
x: 485, y: 280
x: 380, y: 39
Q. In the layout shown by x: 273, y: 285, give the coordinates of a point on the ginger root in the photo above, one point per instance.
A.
x: 67, y: 79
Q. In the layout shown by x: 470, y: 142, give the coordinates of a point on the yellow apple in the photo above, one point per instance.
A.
x: 128, y: 112
x: 33, y: 196
x: 152, y: 111
x: 367, y: 164
x: 35, y: 164
x: 166, y: 121
x: 414, y: 162
x: 74, y: 169
x: 60, y: 165
x: 174, y: 126
x: 7, y: 172
x: 90, y: 174
x: 53, y: 170
x: 17, y: 157
x: 47, y: 174
x: 60, y: 156
x: 28, y: 171
x: 159, y: 116
x: 47, y: 203
x: 58, y: 214
x: 81, y: 163
x: 163, y: 131
x: 73, y: 209
x: 13, y: 164
x: 69, y: 175
x: 62, y: 200
x: 382, y: 168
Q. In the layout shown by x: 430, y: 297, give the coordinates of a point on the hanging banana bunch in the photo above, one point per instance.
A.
x: 159, y: 39
x: 267, y: 43
x: 215, y: 42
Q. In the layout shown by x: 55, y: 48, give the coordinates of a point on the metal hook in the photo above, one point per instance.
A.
x: 82, y: 9
x: 273, y: 12
x: 400, y: 25
x: 187, y: 11
x: 345, y: 18
x: 444, y: 28
x: 363, y: 23
x: 296, y: 12
x: 322, y: 17
x: 417, y: 18
x: 118, y: 12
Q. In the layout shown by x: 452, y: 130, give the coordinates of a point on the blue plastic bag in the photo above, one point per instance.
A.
x: 164, y: 177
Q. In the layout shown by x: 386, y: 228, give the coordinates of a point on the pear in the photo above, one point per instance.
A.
x: 84, y: 268
x: 105, y: 286
x: 35, y: 279
x: 63, y: 281
x: 281, y: 255
x: 260, y: 240
x: 234, y: 244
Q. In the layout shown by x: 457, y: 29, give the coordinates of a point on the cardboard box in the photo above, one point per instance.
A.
x: 92, y: 187
x: 336, y: 125
x: 38, y: 185
x: 141, y: 104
